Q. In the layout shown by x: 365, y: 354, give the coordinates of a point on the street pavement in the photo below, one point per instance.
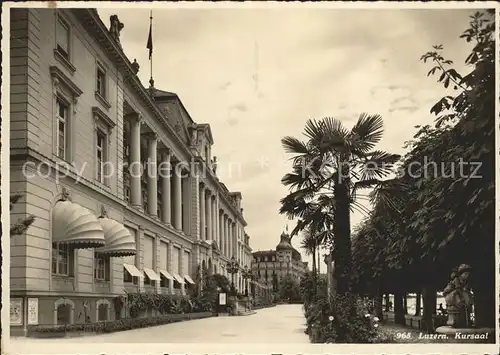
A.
x: 280, y: 324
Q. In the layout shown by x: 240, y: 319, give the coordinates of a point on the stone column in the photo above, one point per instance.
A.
x: 156, y: 265
x: 139, y: 257
x: 217, y: 220
x: 152, y: 172
x: 229, y: 254
x: 177, y: 182
x: 208, y: 218
x: 213, y: 217
x: 230, y: 237
x: 166, y: 201
x: 233, y: 240
x: 220, y: 229
x: 181, y: 269
x: 202, y: 212
x: 135, y: 158
x: 224, y: 233
x: 169, y: 266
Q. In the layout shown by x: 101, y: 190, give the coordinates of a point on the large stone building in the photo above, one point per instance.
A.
x: 270, y: 266
x: 82, y: 127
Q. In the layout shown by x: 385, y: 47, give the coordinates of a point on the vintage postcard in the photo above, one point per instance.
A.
x: 249, y: 177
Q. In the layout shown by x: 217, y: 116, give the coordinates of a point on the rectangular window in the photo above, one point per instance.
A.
x: 101, y: 81
x: 127, y: 278
x: 158, y: 209
x: 101, y: 267
x: 164, y: 281
x: 101, y: 155
x: 127, y: 193
x: 145, y: 199
x: 62, y: 128
x: 148, y: 281
x: 62, y: 259
x: 62, y: 38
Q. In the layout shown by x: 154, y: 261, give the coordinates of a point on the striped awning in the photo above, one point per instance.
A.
x: 119, y: 241
x: 178, y: 278
x: 153, y: 276
x: 189, y: 279
x: 132, y: 270
x: 76, y: 225
x: 166, y: 274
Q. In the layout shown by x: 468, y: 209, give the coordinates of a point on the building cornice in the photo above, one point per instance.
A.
x: 94, y: 25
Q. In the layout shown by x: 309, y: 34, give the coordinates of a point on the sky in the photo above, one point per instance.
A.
x: 257, y: 75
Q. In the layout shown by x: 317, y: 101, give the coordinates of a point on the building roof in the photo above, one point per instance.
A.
x: 159, y: 94
x: 264, y: 253
x: 285, y: 242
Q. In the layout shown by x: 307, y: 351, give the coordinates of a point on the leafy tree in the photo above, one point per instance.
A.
x: 22, y: 225
x: 448, y: 215
x: 466, y: 218
x: 289, y: 289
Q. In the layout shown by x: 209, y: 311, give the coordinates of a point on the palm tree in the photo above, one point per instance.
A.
x: 329, y: 169
x: 310, y: 244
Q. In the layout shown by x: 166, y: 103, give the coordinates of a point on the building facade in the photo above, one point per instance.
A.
x: 270, y: 266
x: 120, y: 179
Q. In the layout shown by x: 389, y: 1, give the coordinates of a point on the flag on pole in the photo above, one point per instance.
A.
x: 150, y: 37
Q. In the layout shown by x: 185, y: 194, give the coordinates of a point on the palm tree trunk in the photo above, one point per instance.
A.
x: 319, y: 262
x: 314, y: 270
x: 342, y: 227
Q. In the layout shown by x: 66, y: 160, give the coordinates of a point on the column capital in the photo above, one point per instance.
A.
x: 165, y: 153
x: 152, y: 136
x: 136, y: 117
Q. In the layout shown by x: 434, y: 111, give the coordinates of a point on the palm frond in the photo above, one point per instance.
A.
x: 294, y: 146
x: 335, y: 135
x: 378, y: 164
x: 367, y: 132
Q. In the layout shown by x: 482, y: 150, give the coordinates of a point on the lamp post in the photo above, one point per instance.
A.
x: 247, y: 274
x: 232, y: 268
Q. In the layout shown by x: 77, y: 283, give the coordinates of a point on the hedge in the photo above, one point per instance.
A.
x: 117, y: 325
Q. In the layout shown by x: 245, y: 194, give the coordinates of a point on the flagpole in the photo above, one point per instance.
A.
x: 151, y: 81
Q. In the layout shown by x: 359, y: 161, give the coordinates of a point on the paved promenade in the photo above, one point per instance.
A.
x: 280, y: 324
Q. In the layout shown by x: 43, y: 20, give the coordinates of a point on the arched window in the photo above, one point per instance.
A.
x: 64, y: 310
x: 63, y: 314
x: 102, y: 312
x: 103, y: 308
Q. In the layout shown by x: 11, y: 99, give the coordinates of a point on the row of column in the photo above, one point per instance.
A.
x: 168, y: 202
x: 217, y: 225
x: 214, y: 222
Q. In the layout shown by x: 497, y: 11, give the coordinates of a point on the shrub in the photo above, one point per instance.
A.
x: 139, y: 303
x: 340, y: 319
x: 117, y: 325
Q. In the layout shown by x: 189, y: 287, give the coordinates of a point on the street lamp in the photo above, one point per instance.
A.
x: 232, y: 268
x: 247, y: 274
